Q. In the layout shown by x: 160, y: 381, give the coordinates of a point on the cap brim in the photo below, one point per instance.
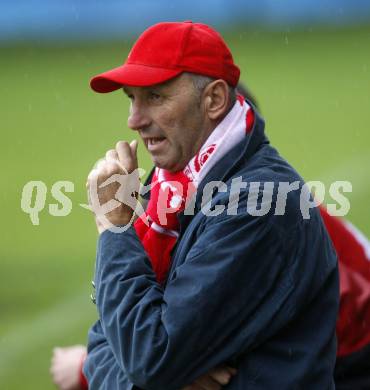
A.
x: 131, y: 75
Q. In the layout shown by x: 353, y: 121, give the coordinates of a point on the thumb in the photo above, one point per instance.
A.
x: 133, y: 147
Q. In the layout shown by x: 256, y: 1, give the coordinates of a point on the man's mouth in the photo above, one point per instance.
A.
x: 155, y: 143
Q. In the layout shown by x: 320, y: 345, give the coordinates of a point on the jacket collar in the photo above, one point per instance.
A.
x: 231, y: 163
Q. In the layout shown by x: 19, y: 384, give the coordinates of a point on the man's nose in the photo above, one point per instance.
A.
x: 138, y: 118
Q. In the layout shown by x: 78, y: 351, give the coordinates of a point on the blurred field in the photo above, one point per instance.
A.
x: 313, y: 88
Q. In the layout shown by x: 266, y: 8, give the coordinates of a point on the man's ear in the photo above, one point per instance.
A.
x: 216, y: 99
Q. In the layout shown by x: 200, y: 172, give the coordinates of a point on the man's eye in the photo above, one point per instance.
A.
x: 154, y: 96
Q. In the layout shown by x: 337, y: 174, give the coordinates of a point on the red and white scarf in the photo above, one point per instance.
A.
x: 170, y: 191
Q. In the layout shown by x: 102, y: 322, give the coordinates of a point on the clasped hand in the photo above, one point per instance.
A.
x: 113, y: 186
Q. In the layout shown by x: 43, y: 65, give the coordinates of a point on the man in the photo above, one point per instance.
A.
x: 352, y: 368
x: 205, y: 278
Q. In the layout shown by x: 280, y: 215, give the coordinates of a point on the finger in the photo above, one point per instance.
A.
x: 125, y: 155
x: 133, y: 146
x: 92, y: 181
x: 100, y: 165
x: 110, y: 168
x: 92, y: 175
x: 111, y: 155
x: 232, y: 370
x: 221, y: 375
x: 207, y: 383
x: 104, y: 171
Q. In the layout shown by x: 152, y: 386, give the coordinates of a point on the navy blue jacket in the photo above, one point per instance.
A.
x: 257, y: 292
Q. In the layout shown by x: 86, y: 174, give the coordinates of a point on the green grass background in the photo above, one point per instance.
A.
x: 314, y: 90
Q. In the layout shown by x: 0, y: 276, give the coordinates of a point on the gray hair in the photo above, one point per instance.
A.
x: 200, y: 82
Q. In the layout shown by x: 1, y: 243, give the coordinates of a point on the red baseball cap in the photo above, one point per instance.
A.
x: 167, y: 49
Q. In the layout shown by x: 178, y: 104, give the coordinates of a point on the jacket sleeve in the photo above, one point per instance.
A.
x: 235, y: 288
x: 100, y: 368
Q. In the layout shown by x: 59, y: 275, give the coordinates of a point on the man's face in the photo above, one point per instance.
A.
x: 170, y: 120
